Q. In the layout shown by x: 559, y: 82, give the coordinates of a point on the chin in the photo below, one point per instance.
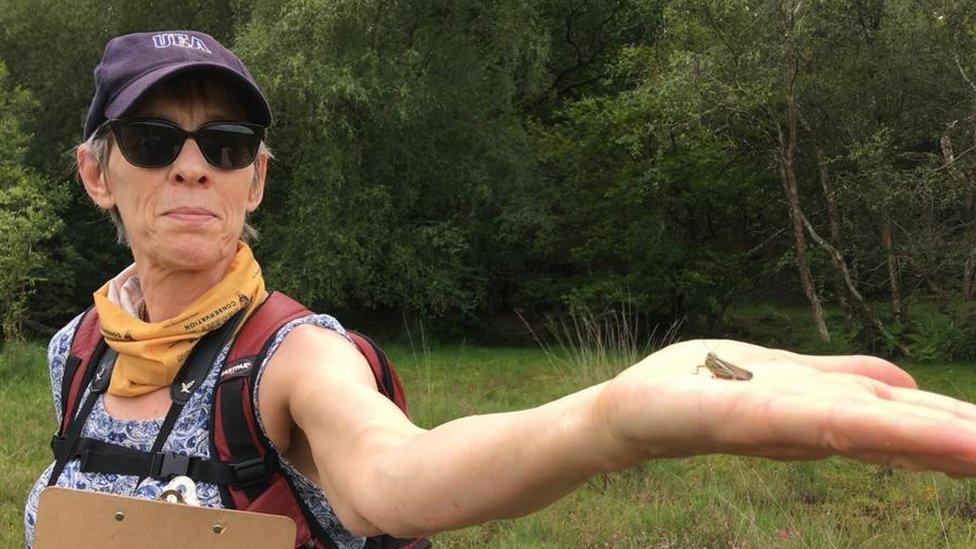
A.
x: 194, y: 251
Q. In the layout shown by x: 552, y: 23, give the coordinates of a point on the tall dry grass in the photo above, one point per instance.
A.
x: 592, y: 346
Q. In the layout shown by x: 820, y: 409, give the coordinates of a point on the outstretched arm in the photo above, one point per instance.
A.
x: 382, y: 473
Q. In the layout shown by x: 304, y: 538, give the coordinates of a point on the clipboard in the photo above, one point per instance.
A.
x: 81, y: 519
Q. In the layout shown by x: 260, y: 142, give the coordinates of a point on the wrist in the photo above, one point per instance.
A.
x: 616, y: 450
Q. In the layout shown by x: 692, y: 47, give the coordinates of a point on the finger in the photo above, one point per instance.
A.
x: 948, y: 465
x: 959, y: 408
x: 858, y: 424
x: 863, y: 365
x: 897, y: 428
x: 922, y: 399
x: 913, y: 462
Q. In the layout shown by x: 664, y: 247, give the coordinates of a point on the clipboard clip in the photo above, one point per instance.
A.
x: 172, y: 492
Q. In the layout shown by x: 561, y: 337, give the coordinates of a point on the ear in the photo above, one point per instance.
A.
x: 256, y: 192
x: 94, y: 179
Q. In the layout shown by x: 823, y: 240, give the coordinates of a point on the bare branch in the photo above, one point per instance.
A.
x: 962, y: 71
x: 763, y: 244
x: 849, y: 282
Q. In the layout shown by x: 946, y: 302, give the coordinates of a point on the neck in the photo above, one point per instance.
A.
x: 168, y: 291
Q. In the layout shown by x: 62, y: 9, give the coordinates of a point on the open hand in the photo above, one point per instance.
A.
x: 795, y: 407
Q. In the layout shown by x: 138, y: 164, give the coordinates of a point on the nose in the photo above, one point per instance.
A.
x: 190, y: 166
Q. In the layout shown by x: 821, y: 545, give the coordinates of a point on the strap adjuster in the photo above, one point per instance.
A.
x: 83, y: 459
x: 58, y: 446
x: 250, y: 472
x: 166, y: 465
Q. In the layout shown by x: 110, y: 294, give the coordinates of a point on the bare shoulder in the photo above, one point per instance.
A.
x: 313, y: 352
x: 310, y: 359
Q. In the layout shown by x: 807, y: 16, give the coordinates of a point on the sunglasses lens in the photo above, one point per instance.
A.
x: 149, y: 144
x: 228, y: 145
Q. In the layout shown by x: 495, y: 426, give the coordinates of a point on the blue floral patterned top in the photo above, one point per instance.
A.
x: 190, y: 436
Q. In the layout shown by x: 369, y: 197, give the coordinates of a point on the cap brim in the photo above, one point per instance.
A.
x: 258, y: 107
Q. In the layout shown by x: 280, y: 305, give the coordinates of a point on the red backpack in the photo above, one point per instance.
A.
x: 243, y: 463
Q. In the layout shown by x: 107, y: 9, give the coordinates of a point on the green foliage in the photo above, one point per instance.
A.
x: 398, y: 144
x: 27, y: 206
x: 26, y: 219
x: 648, y: 206
x: 945, y: 334
x: 455, y: 161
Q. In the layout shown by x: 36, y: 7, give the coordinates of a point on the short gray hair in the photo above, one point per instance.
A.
x: 99, y: 145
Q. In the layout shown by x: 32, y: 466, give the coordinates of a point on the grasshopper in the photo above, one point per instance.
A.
x: 723, y: 369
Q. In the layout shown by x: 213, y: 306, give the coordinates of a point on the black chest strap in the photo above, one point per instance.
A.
x: 102, y: 457
x: 97, y: 456
x: 105, y: 358
x: 190, y: 377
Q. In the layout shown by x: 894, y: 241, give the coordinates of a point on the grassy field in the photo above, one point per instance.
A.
x: 715, y: 501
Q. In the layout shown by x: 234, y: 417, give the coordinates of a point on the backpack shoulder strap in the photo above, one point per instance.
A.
x: 87, y: 349
x: 276, y: 311
x: 386, y: 379
x: 237, y: 439
x: 86, y: 342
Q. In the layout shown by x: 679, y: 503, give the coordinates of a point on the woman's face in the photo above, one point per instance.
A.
x: 187, y: 215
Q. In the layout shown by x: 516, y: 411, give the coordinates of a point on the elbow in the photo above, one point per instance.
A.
x: 363, y: 527
x: 390, y: 516
x: 382, y: 524
x: 384, y: 500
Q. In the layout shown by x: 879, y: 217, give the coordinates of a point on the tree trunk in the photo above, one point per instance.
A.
x: 833, y: 218
x: 945, y: 143
x: 969, y: 266
x: 968, y: 286
x: 967, y: 277
x: 786, y: 157
x: 855, y: 294
x: 968, y: 282
x: 833, y: 214
x: 788, y: 175
x: 897, y: 307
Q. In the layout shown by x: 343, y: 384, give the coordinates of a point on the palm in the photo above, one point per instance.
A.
x: 795, y: 407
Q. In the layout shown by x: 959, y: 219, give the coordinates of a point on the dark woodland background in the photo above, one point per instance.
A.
x: 456, y: 162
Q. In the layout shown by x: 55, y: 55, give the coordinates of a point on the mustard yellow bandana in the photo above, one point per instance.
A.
x: 151, y: 353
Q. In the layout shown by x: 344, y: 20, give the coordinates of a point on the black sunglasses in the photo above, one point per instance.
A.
x: 156, y: 142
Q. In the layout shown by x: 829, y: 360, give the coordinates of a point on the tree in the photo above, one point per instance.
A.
x: 27, y: 206
x: 399, y: 147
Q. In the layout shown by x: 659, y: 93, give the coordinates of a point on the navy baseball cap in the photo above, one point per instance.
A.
x: 133, y: 63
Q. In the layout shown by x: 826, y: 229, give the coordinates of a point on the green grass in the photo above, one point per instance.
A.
x: 714, y: 501
x: 26, y: 423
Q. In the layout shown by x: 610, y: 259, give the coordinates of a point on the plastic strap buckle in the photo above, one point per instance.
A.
x: 167, y: 465
x: 59, y: 446
x: 250, y: 472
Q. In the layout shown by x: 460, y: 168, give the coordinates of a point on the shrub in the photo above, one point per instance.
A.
x: 27, y: 212
x: 945, y: 336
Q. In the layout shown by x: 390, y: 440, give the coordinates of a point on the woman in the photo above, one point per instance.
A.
x: 355, y: 458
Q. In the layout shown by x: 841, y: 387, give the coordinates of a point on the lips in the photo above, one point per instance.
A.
x: 193, y: 215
